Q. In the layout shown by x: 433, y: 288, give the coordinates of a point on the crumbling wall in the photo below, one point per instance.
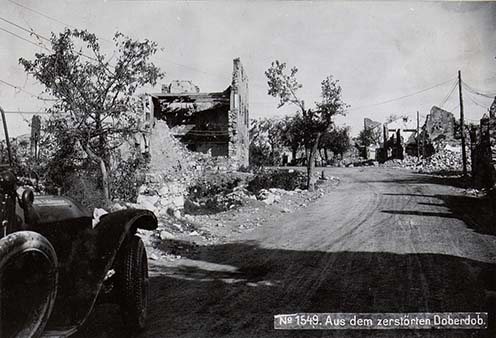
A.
x: 238, y: 123
x: 172, y: 168
x: 181, y: 86
x: 440, y: 125
x: 492, y: 109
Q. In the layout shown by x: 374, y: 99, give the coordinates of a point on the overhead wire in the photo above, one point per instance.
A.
x: 31, y: 31
x: 26, y: 112
x: 402, y: 97
x: 455, y: 83
x: 477, y: 92
x: 477, y: 103
x: 42, y: 14
x: 26, y: 40
x: 50, y: 17
x: 104, y: 39
x: 25, y: 91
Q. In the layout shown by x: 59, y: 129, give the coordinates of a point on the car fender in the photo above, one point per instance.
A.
x: 92, y: 254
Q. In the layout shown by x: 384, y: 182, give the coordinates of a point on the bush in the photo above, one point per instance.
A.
x: 261, y: 155
x: 212, y: 194
x: 85, y: 190
x: 213, y: 185
x: 282, y: 179
x: 127, y: 178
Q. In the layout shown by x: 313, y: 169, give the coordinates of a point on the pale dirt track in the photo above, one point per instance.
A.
x: 384, y: 240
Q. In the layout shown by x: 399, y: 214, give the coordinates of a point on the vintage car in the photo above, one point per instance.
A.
x: 56, y: 262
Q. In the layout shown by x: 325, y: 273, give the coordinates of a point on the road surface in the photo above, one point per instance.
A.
x: 384, y: 240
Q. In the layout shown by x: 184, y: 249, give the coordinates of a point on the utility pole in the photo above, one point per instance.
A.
x: 462, y: 124
x: 7, y: 141
x: 418, y: 135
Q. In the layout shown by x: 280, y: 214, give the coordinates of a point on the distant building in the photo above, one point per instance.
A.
x: 370, y: 152
x: 406, y: 126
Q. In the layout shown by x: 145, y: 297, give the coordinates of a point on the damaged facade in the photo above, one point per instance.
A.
x: 405, y: 135
x: 214, y: 123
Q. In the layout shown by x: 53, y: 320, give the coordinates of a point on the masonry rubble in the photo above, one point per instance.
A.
x: 448, y: 159
x: 172, y: 169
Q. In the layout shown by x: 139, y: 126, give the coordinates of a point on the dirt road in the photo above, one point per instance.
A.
x: 384, y: 240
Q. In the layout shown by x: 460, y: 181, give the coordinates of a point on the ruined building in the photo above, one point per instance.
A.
x: 214, y: 123
x: 483, y: 150
x: 440, y: 125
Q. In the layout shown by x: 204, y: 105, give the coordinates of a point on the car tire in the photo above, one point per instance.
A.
x: 29, y: 276
x: 132, y: 283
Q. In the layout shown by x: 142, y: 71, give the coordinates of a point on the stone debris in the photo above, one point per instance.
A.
x: 268, y: 197
x: 174, y: 171
x: 97, y: 214
x: 446, y: 159
x: 474, y: 192
x: 176, y: 238
x: 166, y: 235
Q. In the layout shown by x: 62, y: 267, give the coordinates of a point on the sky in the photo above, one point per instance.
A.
x: 405, y: 53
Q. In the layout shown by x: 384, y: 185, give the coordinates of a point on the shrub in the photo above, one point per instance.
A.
x: 282, y: 179
x: 213, y: 185
x: 85, y: 190
x: 212, y: 194
x: 128, y: 177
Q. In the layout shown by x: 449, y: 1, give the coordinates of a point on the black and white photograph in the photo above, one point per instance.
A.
x: 247, y: 169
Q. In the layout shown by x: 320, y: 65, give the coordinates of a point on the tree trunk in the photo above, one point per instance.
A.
x: 311, y: 163
x: 326, y: 154
x: 272, y: 161
x: 103, y: 170
x: 105, y: 180
x: 294, y: 155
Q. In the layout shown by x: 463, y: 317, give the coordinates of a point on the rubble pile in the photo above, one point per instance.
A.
x: 447, y: 159
x: 173, y: 168
x: 162, y: 197
x: 170, y: 159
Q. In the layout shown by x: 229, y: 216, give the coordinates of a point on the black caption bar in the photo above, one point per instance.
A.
x: 381, y: 321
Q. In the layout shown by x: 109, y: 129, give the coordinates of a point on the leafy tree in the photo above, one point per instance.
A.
x: 273, y: 130
x: 95, y: 108
x: 337, y: 140
x: 259, y: 154
x: 260, y: 151
x: 269, y: 135
x: 369, y: 136
x: 293, y: 133
x: 315, y: 121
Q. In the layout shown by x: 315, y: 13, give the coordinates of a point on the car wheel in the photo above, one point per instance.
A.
x: 28, y: 277
x: 132, y: 283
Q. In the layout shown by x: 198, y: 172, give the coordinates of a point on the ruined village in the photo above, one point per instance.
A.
x: 145, y: 196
